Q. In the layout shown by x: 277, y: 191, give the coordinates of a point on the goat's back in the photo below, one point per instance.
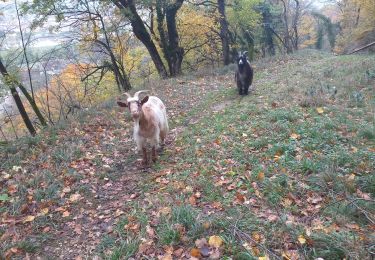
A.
x: 155, y: 108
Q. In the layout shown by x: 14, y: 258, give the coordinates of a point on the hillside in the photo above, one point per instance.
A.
x: 286, y: 172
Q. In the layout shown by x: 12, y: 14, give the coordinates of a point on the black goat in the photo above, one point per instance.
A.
x: 244, y: 74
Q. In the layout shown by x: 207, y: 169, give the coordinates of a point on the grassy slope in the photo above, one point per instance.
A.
x: 269, y: 173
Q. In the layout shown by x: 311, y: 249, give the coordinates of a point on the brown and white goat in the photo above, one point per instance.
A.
x: 150, y: 122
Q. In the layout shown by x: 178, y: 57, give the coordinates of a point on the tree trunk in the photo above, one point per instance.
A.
x: 32, y: 103
x: 18, y: 101
x: 224, y: 31
x: 129, y: 10
x: 268, y: 35
x: 295, y: 25
x: 176, y: 52
x: 169, y: 40
x: 287, y: 38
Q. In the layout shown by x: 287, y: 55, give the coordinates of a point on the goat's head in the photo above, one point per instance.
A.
x: 242, y: 59
x: 134, y: 103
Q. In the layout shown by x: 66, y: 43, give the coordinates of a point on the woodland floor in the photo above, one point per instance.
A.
x: 284, y: 173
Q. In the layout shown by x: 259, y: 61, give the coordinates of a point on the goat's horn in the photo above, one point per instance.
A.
x: 136, y: 94
x: 129, y: 96
x: 245, y: 52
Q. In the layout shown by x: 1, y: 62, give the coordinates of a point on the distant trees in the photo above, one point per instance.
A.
x: 357, y: 23
x: 124, y: 42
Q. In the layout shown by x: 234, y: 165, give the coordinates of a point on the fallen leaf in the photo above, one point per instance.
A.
x: 46, y: 229
x: 240, y: 198
x: 199, y: 243
x: 205, y: 251
x: 295, y: 136
x: 188, y: 189
x: 206, y: 225
x: 256, y: 236
x: 178, y: 252
x: 12, y: 189
x: 231, y: 187
x: 272, y: 218
x: 195, y: 252
x: 261, y: 176
x: 28, y: 219
x: 66, y: 214
x: 44, y: 211
x: 215, y: 241
x: 74, y: 197
x: 66, y: 190
x: 255, y: 251
x: 118, y: 212
x: 78, y: 229
x: 150, y: 231
x: 320, y: 110
x: 166, y: 211
x: 193, y: 200
x: 167, y: 257
x: 301, y: 239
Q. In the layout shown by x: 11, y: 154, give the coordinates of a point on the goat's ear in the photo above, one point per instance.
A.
x: 144, y: 100
x: 122, y: 104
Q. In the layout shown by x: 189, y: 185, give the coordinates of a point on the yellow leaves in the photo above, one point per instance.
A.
x: 286, y: 202
x: 206, y: 225
x: 195, y: 28
x: 29, y: 218
x: 320, y: 110
x: 215, y: 241
x: 44, y: 211
x: 256, y: 236
x: 195, y: 252
x: 301, y: 239
x: 165, y: 211
x: 74, y: 197
x: 295, y: 136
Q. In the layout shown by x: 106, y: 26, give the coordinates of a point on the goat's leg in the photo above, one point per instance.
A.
x: 163, y: 135
x: 144, y: 160
x: 154, y: 154
x: 246, y: 91
x: 239, y: 86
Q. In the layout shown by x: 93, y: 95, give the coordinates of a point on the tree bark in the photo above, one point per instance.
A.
x: 295, y: 25
x: 18, y: 101
x: 176, y: 51
x: 224, y: 31
x: 287, y: 38
x: 129, y: 10
x: 169, y: 40
x: 268, y: 38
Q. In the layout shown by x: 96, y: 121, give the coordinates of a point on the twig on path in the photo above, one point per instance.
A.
x: 242, y: 234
